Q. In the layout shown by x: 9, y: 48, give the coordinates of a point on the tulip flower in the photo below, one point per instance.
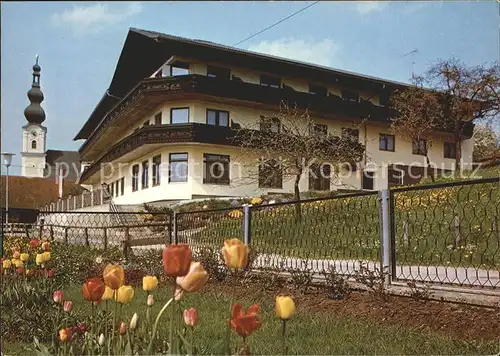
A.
x: 151, y: 300
x: 245, y: 324
x: 68, y: 306
x: 190, y: 317
x: 176, y: 260
x: 58, y: 296
x: 25, y: 257
x: 46, y: 246
x: 256, y: 201
x: 39, y: 259
x: 93, y: 289
x: 101, y: 340
x: 285, y: 307
x: 179, y: 293
x: 125, y: 294
x: 114, y: 276
x: 65, y: 334
x: 133, y: 322
x: 14, y: 249
x: 16, y: 255
x: 29, y: 272
x: 51, y: 273
x: 123, y: 328
x: 46, y: 257
x: 108, y: 294
x: 34, y: 243
x: 19, y: 264
x: 235, y: 253
x: 149, y: 283
x: 20, y: 270
x: 195, y: 278
x: 14, y: 261
x: 236, y: 214
x: 6, y: 264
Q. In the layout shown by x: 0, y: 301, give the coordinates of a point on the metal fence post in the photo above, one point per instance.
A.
x: 174, y: 229
x: 42, y: 221
x: 126, y: 243
x: 105, y: 239
x: 247, y: 223
x: 385, y: 234
x: 66, y: 235
x: 87, y: 242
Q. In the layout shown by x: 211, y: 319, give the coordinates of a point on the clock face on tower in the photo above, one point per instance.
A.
x: 33, y: 133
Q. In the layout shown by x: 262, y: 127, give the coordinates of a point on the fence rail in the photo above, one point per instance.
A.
x: 446, y: 233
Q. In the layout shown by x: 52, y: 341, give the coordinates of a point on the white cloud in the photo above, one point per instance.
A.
x: 91, y: 19
x: 365, y: 7
x: 324, y: 52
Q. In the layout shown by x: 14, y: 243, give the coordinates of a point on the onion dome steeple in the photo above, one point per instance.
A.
x: 34, y: 112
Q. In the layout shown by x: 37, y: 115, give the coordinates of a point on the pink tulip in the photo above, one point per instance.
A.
x: 68, y: 305
x: 151, y: 300
x: 123, y: 328
x: 58, y: 296
x: 191, y: 317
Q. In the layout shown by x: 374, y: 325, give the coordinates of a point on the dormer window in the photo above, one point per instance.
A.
x: 350, y: 95
x: 179, y: 68
x: 268, y: 81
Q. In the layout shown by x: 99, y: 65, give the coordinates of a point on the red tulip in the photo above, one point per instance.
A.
x: 245, y: 324
x: 46, y: 246
x: 58, y: 296
x: 68, y: 306
x: 176, y: 260
x: 82, y: 327
x: 191, y: 317
x: 51, y: 273
x: 20, y: 270
x: 34, y: 243
x: 93, y: 289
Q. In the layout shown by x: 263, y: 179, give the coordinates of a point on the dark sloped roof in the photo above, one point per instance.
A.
x: 144, y: 51
x: 69, y: 157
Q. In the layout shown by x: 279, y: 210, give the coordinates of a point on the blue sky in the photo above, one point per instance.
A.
x: 79, y: 44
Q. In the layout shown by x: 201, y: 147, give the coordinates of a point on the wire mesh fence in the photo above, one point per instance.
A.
x: 447, y: 233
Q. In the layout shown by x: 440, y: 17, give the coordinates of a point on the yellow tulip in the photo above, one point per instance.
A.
x: 19, y: 264
x: 25, y: 257
x: 39, y: 258
x: 235, y: 253
x: 285, y: 307
x: 149, y: 283
x: 108, y: 294
x: 195, y: 279
x: 256, y: 201
x: 114, y: 276
x: 14, y: 261
x: 236, y: 214
x: 46, y: 257
x: 6, y: 264
x: 125, y: 294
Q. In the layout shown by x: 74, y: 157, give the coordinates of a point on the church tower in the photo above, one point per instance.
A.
x: 34, y: 133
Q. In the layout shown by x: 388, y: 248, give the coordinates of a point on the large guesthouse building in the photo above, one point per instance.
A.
x: 163, y: 129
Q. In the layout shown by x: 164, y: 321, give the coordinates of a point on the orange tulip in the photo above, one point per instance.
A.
x: 235, y: 253
x: 176, y: 260
x: 93, y: 289
x: 194, y: 279
x: 65, y: 334
x: 114, y: 276
x: 245, y: 324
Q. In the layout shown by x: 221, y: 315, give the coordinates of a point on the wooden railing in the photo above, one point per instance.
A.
x: 75, y: 202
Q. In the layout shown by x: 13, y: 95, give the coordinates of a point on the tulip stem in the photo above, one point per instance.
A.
x: 172, y: 316
x: 114, y: 314
x: 283, y: 337
x: 150, y: 347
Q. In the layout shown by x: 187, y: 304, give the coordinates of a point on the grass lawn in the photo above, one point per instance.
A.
x: 428, y: 225
x: 309, y: 332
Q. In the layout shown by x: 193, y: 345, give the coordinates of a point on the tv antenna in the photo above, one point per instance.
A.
x: 412, y: 54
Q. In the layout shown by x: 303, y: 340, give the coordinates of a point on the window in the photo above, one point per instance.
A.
x: 156, y: 170
x: 353, y: 134
x: 419, y: 147
x: 319, y: 129
x: 395, y: 176
x: 450, y: 150
x: 179, y: 116
x: 268, y: 81
x: 145, y: 175
x: 368, y: 178
x: 270, y: 174
x: 178, y: 167
x: 112, y: 189
x: 217, y: 117
x: 33, y: 144
x: 135, y: 177
x: 271, y: 124
x: 179, y: 68
x: 386, y: 142
x: 122, y: 186
x: 158, y: 119
x: 319, y: 90
x: 218, y: 72
x: 117, y: 187
x: 319, y: 177
x: 215, y: 169
x: 350, y: 95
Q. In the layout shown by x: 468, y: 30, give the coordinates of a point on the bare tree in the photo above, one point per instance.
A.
x: 464, y: 94
x: 419, y: 113
x: 289, y: 143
